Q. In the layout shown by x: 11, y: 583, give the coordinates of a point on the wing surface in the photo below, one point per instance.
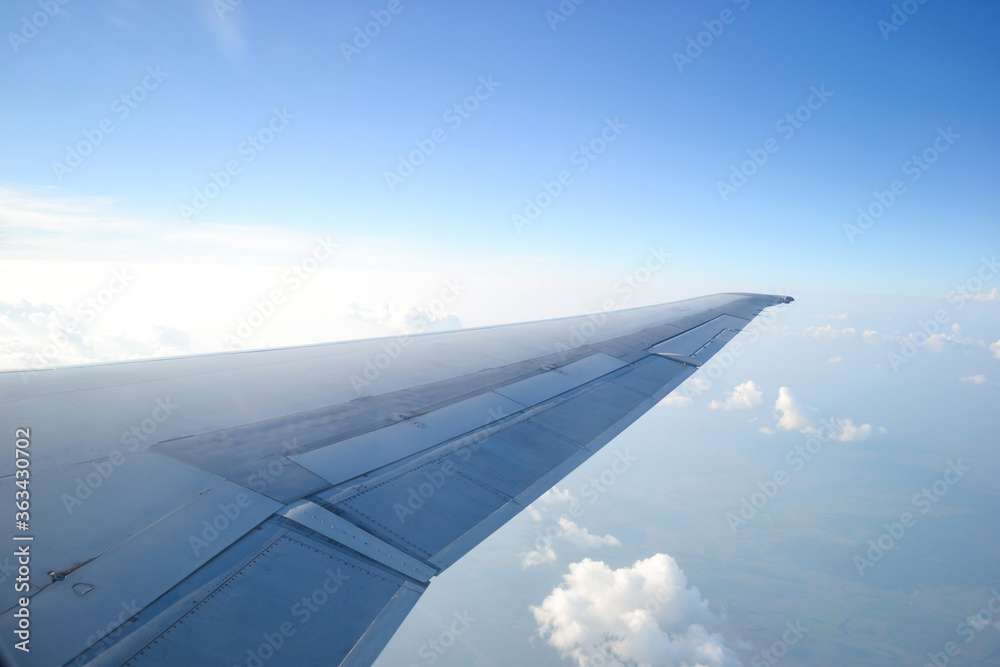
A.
x: 289, y: 506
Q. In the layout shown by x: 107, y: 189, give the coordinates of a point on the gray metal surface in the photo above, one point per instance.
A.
x: 345, y: 533
x: 349, y: 458
x: 183, y: 506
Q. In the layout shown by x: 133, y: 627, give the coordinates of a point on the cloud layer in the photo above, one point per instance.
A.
x: 645, y: 614
x: 39, y: 336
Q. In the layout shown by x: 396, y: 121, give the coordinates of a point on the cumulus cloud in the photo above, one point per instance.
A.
x: 646, y: 614
x: 560, y: 529
x: 793, y: 418
x: 745, y: 395
x: 766, y: 430
x: 871, y: 336
x: 995, y: 349
x: 540, y: 556
x: 935, y: 343
x: 567, y: 531
x: 836, y: 360
x: 992, y: 296
x: 975, y: 379
x: 583, y: 538
x: 844, y: 430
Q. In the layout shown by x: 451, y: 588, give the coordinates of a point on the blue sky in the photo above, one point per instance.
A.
x: 227, y: 67
x: 174, y: 161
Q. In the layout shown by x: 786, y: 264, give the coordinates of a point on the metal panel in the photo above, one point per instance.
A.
x: 255, y: 454
x: 347, y: 459
x: 294, y: 604
x: 586, y: 415
x: 511, y: 459
x: 648, y: 376
x: 689, y: 342
x: 138, y: 570
x: 382, y: 629
x: 422, y: 510
x: 542, y: 387
x: 465, y: 542
x: 86, y: 500
x: 139, y: 630
x: 344, y: 532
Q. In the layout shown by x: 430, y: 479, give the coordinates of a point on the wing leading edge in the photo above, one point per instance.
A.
x: 290, y: 506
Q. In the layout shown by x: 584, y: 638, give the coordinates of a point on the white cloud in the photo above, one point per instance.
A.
x: 995, y: 349
x: 646, y: 614
x: 935, y: 343
x: 676, y: 400
x: 766, y: 430
x: 792, y: 416
x: 42, y: 223
x: 992, y: 296
x: 36, y: 336
x: 820, y: 332
x: 541, y: 556
x: 745, y: 395
x: 975, y: 379
x: 938, y: 342
x: 796, y: 418
x: 556, y: 495
x: 871, y: 336
x: 561, y: 529
x: 387, y: 320
x: 553, y: 496
x: 844, y: 430
x: 583, y: 538
x: 836, y: 360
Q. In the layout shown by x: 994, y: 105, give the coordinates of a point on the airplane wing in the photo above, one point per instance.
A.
x: 289, y: 506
